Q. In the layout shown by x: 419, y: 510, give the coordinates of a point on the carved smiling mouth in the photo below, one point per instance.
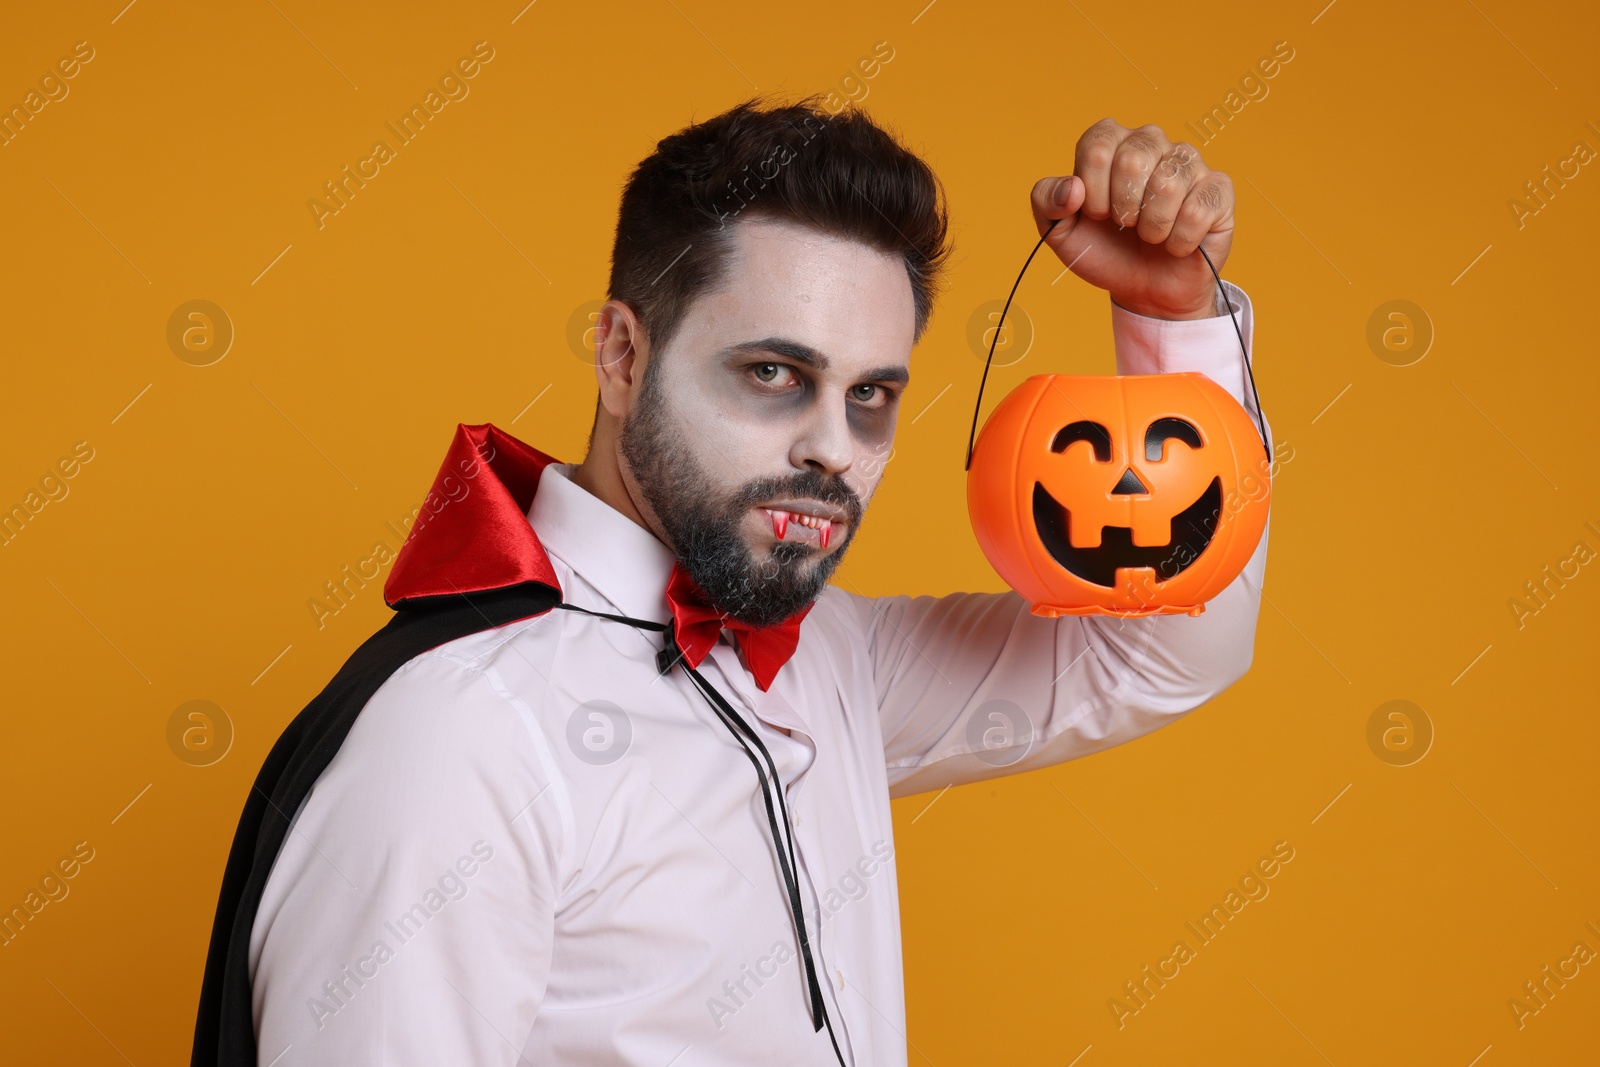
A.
x: 1191, y: 533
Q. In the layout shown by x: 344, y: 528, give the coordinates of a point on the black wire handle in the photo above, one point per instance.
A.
x: 973, y: 435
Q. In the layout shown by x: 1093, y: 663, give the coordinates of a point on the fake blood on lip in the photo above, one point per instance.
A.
x: 820, y: 529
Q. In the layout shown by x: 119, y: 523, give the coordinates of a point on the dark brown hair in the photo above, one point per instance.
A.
x: 839, y: 173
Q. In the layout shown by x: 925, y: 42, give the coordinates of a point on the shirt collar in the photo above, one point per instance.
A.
x: 627, y: 563
x: 630, y: 567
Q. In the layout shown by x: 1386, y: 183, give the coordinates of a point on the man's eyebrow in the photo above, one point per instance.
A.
x: 804, y: 353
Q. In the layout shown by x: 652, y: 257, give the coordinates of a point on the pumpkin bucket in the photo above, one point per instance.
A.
x: 1125, y: 495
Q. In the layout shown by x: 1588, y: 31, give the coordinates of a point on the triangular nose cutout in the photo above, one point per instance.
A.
x: 1129, y: 484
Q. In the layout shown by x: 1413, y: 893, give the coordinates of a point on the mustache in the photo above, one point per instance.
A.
x: 811, y: 484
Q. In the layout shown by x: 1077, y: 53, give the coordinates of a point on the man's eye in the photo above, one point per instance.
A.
x: 886, y: 396
x: 768, y: 372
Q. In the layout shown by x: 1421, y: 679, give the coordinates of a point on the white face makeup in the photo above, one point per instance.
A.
x: 778, y: 398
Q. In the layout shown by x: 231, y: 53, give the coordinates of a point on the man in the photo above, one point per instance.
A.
x: 534, y: 846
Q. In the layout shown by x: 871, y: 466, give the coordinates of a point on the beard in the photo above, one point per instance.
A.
x: 702, y: 521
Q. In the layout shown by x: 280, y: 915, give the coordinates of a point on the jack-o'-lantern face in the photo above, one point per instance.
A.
x: 1117, y: 494
x: 1103, y: 546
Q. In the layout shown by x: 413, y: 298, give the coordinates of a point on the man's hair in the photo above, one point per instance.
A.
x: 839, y: 173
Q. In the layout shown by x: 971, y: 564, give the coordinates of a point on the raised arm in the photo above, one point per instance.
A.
x: 973, y: 685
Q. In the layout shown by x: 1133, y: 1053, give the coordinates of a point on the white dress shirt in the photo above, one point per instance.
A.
x: 533, y: 848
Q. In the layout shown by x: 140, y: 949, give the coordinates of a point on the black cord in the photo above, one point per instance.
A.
x: 1248, y: 370
x: 971, y: 437
x: 671, y: 655
x: 978, y: 405
x: 735, y: 724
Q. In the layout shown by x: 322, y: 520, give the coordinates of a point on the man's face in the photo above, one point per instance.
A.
x: 777, y: 398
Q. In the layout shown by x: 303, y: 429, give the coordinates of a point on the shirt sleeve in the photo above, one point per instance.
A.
x: 974, y: 685
x: 409, y: 918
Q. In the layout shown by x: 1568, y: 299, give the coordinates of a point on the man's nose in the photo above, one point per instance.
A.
x: 825, y: 441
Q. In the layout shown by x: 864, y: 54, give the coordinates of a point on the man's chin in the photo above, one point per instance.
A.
x: 767, y: 605
x: 778, y: 580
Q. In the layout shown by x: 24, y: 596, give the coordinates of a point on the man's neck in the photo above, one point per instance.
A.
x: 603, y: 479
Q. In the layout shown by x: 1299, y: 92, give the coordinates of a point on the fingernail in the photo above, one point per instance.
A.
x: 1063, y: 190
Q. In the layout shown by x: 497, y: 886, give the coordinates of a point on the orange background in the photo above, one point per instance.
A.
x: 1379, y: 165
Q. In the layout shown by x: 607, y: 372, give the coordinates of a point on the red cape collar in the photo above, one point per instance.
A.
x: 472, y: 532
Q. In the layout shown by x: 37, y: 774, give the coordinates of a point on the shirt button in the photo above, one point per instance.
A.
x: 838, y: 974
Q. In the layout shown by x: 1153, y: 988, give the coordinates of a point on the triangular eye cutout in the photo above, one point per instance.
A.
x: 1129, y: 484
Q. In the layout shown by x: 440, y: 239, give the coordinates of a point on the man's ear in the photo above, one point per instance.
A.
x: 620, y: 351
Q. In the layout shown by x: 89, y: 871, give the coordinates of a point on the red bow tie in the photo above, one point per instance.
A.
x: 697, y: 625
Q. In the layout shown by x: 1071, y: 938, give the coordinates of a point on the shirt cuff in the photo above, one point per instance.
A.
x: 1147, y: 345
